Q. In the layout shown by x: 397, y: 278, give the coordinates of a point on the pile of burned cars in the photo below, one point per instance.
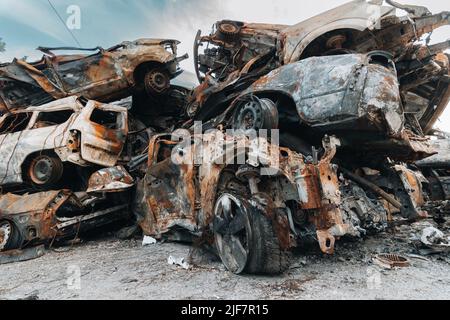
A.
x: 66, y: 139
x: 296, y: 134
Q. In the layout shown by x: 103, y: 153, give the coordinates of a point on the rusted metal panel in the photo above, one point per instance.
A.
x: 183, y: 195
x: 102, y: 137
x: 114, y: 179
x: 34, y: 215
x: 44, y: 217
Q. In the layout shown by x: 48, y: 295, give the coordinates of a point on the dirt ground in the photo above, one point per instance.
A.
x: 111, y: 269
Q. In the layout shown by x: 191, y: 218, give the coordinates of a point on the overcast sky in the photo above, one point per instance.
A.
x: 27, y: 24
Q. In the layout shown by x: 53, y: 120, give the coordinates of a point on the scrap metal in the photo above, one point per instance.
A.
x: 106, y: 75
x: 354, y: 93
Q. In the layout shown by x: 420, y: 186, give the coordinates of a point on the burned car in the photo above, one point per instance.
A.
x: 250, y: 199
x: 355, y: 97
x: 436, y: 169
x: 358, y: 26
x: 337, y: 95
x: 236, y: 54
x: 105, y: 75
x: 53, y: 216
x: 38, y: 145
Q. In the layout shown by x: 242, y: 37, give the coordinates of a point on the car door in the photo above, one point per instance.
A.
x: 103, y: 132
x: 170, y: 191
x: 12, y: 129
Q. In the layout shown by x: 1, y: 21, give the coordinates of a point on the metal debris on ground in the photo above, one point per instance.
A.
x: 14, y: 256
x: 148, y: 241
x: 435, y: 240
x: 178, y: 262
x: 390, y: 261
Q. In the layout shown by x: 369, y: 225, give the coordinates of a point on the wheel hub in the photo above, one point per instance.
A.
x: 42, y: 170
x: 232, y: 233
x: 255, y: 115
x: 5, y: 234
x: 157, y: 81
x: 250, y: 116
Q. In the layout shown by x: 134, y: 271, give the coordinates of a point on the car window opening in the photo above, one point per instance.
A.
x: 15, y: 123
x: 48, y: 119
x: 108, y: 119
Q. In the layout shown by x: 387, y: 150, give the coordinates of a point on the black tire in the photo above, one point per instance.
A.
x: 267, y: 256
x: 247, y: 242
x: 14, y: 240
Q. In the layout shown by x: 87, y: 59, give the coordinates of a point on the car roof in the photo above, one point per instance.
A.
x: 69, y: 103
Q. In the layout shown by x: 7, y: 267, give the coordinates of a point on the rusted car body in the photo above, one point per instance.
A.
x: 437, y: 169
x: 356, y: 97
x: 36, y: 142
x: 51, y: 216
x: 105, y: 75
x: 254, y: 212
x: 352, y: 94
x: 236, y: 54
x: 339, y: 95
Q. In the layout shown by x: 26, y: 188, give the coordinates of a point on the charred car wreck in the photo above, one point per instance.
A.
x: 105, y: 75
x: 254, y: 212
x: 347, y: 100
x: 37, y: 142
x: 52, y: 216
x: 236, y: 54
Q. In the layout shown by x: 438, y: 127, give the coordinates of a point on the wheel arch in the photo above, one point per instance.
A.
x: 286, y: 102
x: 142, y: 68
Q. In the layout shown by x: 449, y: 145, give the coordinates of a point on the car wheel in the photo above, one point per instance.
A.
x: 156, y: 81
x: 229, y: 30
x: 256, y: 114
x: 45, y: 171
x: 9, y: 236
x: 245, y: 238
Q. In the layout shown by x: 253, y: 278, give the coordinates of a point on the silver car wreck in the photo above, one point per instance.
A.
x: 37, y: 143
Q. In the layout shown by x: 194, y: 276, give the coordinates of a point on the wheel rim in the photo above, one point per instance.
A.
x: 157, y: 81
x: 232, y: 233
x: 42, y: 170
x: 5, y: 234
x: 255, y: 115
x: 45, y: 170
x: 250, y: 116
